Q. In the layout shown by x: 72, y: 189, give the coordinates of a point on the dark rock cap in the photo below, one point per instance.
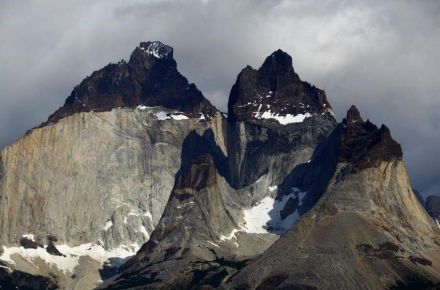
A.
x: 157, y: 49
x: 149, y: 78
x: 353, y: 115
x: 364, y: 144
x: 275, y: 88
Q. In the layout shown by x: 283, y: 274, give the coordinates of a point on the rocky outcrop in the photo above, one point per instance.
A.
x: 364, y: 145
x: 274, y: 94
x: 367, y: 229
x: 22, y: 280
x: 150, y: 78
x: 275, y: 121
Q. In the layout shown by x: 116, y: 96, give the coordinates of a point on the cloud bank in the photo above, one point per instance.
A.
x: 383, y: 56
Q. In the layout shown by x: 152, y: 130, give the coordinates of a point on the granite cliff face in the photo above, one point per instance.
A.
x: 118, y: 167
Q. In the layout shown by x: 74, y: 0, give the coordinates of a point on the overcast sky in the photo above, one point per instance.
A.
x: 383, y: 56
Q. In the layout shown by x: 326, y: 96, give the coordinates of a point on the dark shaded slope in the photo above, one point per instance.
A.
x: 24, y: 281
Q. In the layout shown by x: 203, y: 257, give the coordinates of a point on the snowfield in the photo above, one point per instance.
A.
x: 265, y: 216
x: 71, y: 255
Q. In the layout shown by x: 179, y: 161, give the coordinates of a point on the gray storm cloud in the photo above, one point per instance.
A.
x: 383, y: 56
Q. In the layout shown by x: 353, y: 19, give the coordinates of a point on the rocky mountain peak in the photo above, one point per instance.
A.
x: 150, y: 78
x: 279, y: 63
x: 364, y: 144
x: 274, y: 94
x: 157, y: 49
x: 353, y: 115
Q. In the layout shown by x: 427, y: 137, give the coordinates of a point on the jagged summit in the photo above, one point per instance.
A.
x: 353, y: 115
x: 279, y: 63
x: 275, y: 93
x: 157, y: 49
x: 149, y: 78
x: 364, y: 144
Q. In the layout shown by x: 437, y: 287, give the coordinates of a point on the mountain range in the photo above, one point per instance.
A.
x: 139, y: 182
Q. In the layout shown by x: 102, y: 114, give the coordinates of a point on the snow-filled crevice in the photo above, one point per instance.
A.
x: 267, y: 217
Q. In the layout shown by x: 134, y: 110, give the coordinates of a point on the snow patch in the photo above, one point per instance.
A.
x: 143, y: 230
x: 230, y: 236
x: 282, y: 119
x: 142, y: 107
x: 265, y: 217
x: 157, y: 49
x: 273, y: 188
x: 68, y: 262
x: 179, y: 117
x: 148, y: 215
x: 167, y: 116
x: 162, y: 116
x: 108, y: 225
x: 214, y: 244
x: 29, y: 237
